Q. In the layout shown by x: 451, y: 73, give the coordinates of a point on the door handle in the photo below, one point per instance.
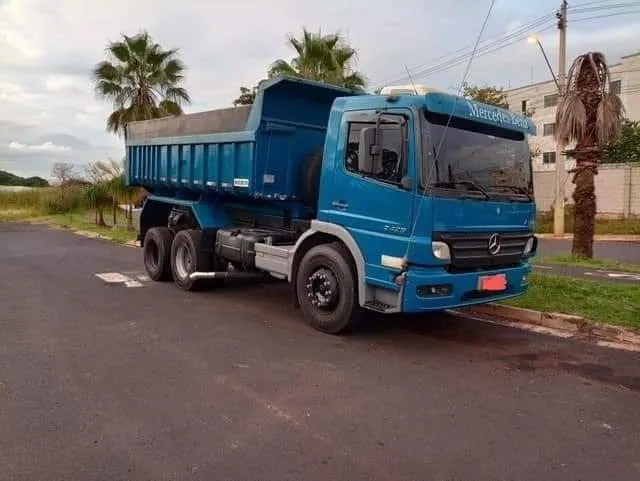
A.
x: 340, y: 204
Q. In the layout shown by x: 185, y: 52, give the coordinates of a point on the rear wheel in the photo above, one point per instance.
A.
x: 326, y: 289
x: 157, y: 253
x: 188, y: 255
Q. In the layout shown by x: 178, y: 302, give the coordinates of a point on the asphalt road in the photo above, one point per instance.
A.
x: 625, y: 252
x: 618, y: 277
x: 99, y: 381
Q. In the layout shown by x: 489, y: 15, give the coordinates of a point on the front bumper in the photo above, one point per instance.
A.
x: 464, y: 288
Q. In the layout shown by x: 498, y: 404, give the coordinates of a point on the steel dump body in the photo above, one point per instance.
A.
x: 249, y: 151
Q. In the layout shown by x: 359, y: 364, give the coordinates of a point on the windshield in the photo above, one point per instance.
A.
x: 474, y: 159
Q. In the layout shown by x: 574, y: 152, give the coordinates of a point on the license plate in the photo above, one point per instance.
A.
x: 494, y: 283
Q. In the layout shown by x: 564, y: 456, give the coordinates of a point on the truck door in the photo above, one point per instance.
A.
x: 375, y: 203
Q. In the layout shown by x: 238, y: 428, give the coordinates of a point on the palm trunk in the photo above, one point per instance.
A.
x: 115, y: 220
x: 130, y: 219
x: 584, y: 197
x: 101, y: 221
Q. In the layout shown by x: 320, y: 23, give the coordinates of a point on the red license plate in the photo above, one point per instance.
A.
x: 493, y: 283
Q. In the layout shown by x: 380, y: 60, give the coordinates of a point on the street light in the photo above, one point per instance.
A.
x: 533, y: 39
x: 558, y: 215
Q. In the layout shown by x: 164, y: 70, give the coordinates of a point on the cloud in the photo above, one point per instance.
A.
x: 48, y: 147
x: 49, y: 48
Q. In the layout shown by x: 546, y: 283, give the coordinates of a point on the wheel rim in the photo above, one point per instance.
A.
x: 323, y: 290
x: 184, y: 261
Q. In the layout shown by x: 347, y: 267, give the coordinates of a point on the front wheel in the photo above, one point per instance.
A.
x: 326, y: 289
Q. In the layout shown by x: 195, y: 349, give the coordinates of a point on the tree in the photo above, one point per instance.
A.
x: 491, y: 96
x: 486, y: 94
x: 591, y: 116
x: 141, y: 79
x: 325, y: 58
x: 626, y: 146
x: 101, y: 194
x: 124, y: 193
x: 98, y: 198
x: 63, y: 173
x: 247, y: 96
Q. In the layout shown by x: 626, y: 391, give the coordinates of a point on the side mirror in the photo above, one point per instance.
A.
x: 367, y: 150
x: 406, y: 183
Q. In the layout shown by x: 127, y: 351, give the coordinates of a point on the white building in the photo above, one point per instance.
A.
x: 541, y: 98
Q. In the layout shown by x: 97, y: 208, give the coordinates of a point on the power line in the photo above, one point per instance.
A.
x: 604, y: 16
x: 489, y: 43
x: 446, y: 127
x: 507, y: 39
x: 603, y: 7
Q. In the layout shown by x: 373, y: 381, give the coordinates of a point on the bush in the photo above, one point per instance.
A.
x: 44, y: 201
x: 62, y: 202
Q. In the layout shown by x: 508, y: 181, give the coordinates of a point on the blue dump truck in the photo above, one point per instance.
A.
x: 387, y: 203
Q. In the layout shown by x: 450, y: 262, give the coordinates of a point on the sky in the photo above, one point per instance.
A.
x: 49, y: 111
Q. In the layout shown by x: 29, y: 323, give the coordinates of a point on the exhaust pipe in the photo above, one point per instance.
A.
x: 224, y: 275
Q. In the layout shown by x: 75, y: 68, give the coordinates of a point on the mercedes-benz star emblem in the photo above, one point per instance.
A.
x: 494, y: 244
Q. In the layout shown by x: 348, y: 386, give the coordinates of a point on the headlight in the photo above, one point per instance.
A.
x: 530, y: 245
x: 440, y: 251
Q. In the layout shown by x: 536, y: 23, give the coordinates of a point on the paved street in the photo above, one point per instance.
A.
x: 100, y: 381
x: 625, y: 252
x: 589, y: 274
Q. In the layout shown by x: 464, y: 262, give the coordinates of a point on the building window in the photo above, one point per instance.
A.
x: 548, y: 129
x: 548, y: 157
x: 615, y: 87
x: 551, y: 100
x: 524, y: 107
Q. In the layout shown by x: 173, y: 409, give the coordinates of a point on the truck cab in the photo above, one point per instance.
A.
x: 411, y: 203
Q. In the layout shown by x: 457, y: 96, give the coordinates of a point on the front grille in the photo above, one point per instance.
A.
x: 471, y: 251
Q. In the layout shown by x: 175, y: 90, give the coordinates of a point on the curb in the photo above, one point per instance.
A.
x: 94, y: 235
x: 573, y: 325
x: 596, y: 238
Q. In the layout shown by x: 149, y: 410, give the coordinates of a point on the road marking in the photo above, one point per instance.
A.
x: 629, y: 276
x: 113, y: 277
x: 542, y: 267
x: 119, y: 278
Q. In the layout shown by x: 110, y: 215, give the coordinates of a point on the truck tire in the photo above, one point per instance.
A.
x: 326, y: 288
x: 157, y: 253
x: 310, y: 178
x: 187, y: 256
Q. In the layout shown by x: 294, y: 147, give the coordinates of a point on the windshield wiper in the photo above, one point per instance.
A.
x: 451, y: 185
x: 517, y: 189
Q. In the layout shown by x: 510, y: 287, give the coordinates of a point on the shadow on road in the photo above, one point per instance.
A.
x: 421, y: 336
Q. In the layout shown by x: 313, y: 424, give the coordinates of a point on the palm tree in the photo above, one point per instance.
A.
x: 590, y: 115
x: 326, y: 58
x: 98, y: 198
x: 124, y: 193
x: 141, y: 79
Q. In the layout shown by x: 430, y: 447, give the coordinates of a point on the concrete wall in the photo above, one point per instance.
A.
x: 617, y: 190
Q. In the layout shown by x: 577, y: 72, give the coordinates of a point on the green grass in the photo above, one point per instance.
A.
x: 588, y: 263
x: 609, y: 303
x: 82, y: 220
x: 66, y: 209
x: 544, y: 225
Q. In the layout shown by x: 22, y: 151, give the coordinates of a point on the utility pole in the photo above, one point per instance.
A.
x: 558, y: 215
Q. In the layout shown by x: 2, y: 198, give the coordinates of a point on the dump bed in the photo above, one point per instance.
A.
x: 255, y: 151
